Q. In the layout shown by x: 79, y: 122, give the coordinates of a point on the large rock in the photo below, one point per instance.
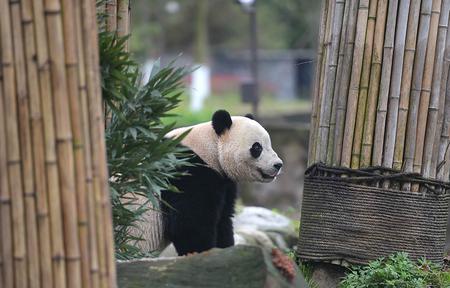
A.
x: 261, y: 226
x: 234, y: 267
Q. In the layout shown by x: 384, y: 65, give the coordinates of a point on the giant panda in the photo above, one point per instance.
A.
x: 225, y: 150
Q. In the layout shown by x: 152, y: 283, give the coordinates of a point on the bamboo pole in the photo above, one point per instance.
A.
x: 330, y: 76
x: 72, y: 66
x: 25, y: 146
x: 437, y: 100
x: 364, y: 85
x: 345, y: 82
x: 425, y: 93
x: 444, y: 172
x: 416, y: 87
x: 123, y: 19
x: 410, y: 48
x: 443, y: 162
x: 374, y: 82
x: 43, y: 63
x: 394, y: 92
x: 5, y: 195
x: 111, y: 15
x: 38, y: 146
x: 13, y: 148
x: 440, y: 88
x: 322, y: 124
x: 316, y: 88
x: 358, y: 54
x: 98, y: 148
x: 64, y: 142
x: 90, y: 201
x: 385, y: 82
x: 340, y: 68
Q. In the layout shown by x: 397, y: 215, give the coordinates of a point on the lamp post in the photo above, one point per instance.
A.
x: 250, y: 8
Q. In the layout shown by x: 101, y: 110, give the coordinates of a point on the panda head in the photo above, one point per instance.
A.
x: 244, y: 149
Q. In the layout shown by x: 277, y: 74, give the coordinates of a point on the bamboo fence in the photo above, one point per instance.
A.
x: 381, y: 96
x: 55, y: 214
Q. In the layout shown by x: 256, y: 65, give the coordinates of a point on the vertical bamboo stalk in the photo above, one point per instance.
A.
x: 439, y: 85
x: 323, y: 78
x: 316, y: 88
x: 416, y: 87
x: 13, y: 148
x: 364, y: 85
x: 374, y: 84
x: 54, y: 199
x: 64, y: 141
x: 444, y: 172
x: 38, y: 146
x: 340, y: 68
x: 111, y: 15
x: 90, y: 201
x: 25, y: 146
x: 72, y: 66
x: 345, y: 82
x: 437, y: 99
x: 330, y: 76
x: 443, y: 160
x: 394, y: 92
x: 98, y: 148
x: 426, y: 88
x: 408, y: 62
x: 385, y: 83
x: 123, y: 19
x: 352, y: 102
x: 5, y: 195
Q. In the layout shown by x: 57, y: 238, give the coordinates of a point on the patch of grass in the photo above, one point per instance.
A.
x: 397, y: 271
x: 269, y: 106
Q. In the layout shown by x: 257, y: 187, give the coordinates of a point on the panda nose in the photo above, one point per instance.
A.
x: 278, y: 165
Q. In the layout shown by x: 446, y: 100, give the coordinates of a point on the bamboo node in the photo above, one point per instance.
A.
x: 5, y: 64
x: 83, y: 223
x: 58, y: 258
x: 52, y: 12
x: 27, y: 21
x: 5, y: 201
x: 13, y: 162
x: 71, y: 64
x: 50, y: 162
x: 30, y: 194
x: 42, y: 215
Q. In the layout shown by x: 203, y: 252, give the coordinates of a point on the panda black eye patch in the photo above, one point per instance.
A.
x: 256, y: 150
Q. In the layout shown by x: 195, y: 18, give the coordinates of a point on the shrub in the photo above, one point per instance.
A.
x: 397, y: 271
x: 140, y: 159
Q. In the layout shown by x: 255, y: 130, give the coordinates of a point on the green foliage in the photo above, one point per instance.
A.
x: 140, y: 160
x: 397, y: 271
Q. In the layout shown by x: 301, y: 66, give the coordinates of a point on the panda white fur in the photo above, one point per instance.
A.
x: 226, y: 150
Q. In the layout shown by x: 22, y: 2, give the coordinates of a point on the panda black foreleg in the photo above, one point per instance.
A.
x: 225, y: 235
x: 190, y: 237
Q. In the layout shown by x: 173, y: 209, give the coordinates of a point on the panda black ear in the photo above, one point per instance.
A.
x: 250, y: 116
x: 221, y: 121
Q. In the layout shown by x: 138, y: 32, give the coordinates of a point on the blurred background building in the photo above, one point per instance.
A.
x: 215, y: 36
